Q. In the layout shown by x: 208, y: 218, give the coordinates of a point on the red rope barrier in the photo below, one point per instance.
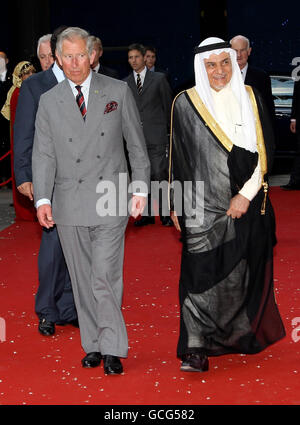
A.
x: 1, y: 158
x: 7, y: 181
x: 5, y: 155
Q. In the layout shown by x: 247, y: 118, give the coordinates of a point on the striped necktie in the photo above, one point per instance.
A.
x: 80, y: 102
x: 139, y: 84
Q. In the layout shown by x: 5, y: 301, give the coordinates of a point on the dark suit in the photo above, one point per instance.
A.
x: 104, y: 70
x: 295, y: 114
x: 54, y: 299
x: 154, y: 105
x: 259, y: 79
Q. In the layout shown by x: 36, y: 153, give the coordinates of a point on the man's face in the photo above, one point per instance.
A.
x: 242, y: 51
x: 219, y: 70
x: 45, y: 55
x: 98, y: 53
x: 150, y: 59
x: 136, y: 60
x: 75, y: 60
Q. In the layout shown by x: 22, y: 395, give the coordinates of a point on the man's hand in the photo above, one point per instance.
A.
x: 174, y: 218
x: 44, y: 215
x: 293, y: 126
x: 26, y: 189
x: 138, y: 205
x: 238, y: 206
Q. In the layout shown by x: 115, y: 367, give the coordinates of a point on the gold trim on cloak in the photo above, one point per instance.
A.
x: 224, y: 139
x: 221, y: 136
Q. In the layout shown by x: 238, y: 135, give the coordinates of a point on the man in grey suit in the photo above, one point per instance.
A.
x: 153, y: 97
x: 54, y: 302
x: 78, y: 156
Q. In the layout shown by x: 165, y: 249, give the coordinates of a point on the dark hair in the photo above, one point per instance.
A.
x: 54, y: 37
x: 151, y: 48
x: 137, y: 46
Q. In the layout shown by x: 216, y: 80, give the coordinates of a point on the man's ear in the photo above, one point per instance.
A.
x: 58, y: 58
x: 92, y: 56
x: 249, y: 51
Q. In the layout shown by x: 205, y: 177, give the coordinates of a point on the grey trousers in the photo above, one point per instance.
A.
x: 94, y: 256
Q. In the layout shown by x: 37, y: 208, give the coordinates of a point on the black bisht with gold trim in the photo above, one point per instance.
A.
x: 227, y: 301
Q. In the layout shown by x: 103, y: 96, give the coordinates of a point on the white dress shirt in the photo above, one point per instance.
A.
x: 85, y: 88
x: 244, y: 71
x: 97, y: 67
x: 58, y: 72
x: 142, y: 75
x: 3, y: 76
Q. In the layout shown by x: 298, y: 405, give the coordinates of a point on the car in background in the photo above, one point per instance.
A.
x: 282, y: 91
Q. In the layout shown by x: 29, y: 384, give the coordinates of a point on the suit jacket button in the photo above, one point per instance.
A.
x: 70, y: 139
x: 102, y: 134
x: 78, y: 160
x: 100, y: 178
x: 98, y: 156
x: 80, y: 181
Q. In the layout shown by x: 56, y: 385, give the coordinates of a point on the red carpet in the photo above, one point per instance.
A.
x: 44, y: 371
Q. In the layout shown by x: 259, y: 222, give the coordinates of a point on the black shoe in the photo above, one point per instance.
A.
x: 144, y: 221
x: 112, y: 365
x: 46, y: 328
x: 194, y: 363
x: 291, y: 186
x: 72, y: 322
x: 91, y: 359
x: 166, y: 221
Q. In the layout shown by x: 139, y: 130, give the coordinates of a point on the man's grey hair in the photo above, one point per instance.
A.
x: 43, y: 39
x: 96, y: 40
x: 71, y: 34
x: 243, y: 38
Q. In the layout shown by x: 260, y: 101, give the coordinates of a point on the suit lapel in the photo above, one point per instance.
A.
x: 70, y: 114
x: 148, y: 80
x: 132, y: 84
x: 98, y: 96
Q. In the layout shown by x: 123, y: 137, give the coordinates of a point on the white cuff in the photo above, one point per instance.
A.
x: 43, y: 201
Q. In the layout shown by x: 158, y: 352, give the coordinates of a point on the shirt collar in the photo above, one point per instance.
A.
x: 97, y: 67
x: 58, y: 72
x: 244, y: 70
x: 142, y: 73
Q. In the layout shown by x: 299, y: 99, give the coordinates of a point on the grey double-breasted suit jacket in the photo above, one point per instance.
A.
x: 75, y: 160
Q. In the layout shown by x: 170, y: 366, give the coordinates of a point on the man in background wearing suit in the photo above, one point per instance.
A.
x: 78, y: 155
x: 294, y: 182
x: 252, y: 76
x: 96, y: 65
x: 54, y: 303
x: 153, y: 97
